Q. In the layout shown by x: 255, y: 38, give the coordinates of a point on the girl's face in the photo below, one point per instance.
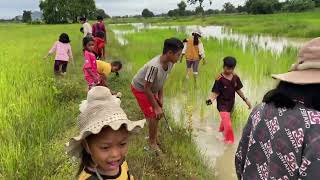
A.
x: 90, y: 46
x: 108, y: 149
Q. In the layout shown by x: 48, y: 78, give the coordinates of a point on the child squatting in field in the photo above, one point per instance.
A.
x: 102, y: 144
x: 147, y: 87
x: 223, y: 90
x: 63, y: 51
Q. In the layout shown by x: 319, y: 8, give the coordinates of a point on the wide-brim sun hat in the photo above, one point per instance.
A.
x: 100, y: 110
x: 307, y: 68
x: 197, y: 33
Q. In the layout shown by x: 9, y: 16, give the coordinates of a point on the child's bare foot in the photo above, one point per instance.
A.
x: 156, y: 149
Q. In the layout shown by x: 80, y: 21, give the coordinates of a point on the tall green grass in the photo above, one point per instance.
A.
x: 35, y: 107
x: 303, y: 24
x: 255, y: 67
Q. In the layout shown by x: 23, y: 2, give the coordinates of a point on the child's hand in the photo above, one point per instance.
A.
x: 159, y: 113
x: 249, y: 104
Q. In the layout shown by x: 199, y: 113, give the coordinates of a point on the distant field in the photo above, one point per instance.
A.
x: 306, y: 24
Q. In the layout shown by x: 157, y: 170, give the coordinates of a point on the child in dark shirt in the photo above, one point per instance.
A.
x: 223, y: 90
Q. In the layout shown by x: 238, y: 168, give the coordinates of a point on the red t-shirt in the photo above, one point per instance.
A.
x: 99, y: 44
x: 98, y: 27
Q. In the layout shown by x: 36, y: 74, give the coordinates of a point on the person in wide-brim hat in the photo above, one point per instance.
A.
x: 284, y: 130
x: 102, y: 143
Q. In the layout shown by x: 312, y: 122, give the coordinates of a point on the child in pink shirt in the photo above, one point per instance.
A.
x: 63, y: 51
x: 90, y: 65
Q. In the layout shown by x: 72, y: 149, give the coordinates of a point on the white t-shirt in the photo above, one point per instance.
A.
x: 87, y: 29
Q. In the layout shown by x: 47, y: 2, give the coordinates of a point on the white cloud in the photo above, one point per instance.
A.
x: 9, y: 9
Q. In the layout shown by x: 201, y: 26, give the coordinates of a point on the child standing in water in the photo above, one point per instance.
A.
x: 194, y: 52
x: 102, y: 144
x: 90, y: 66
x: 223, y: 90
x: 63, y: 51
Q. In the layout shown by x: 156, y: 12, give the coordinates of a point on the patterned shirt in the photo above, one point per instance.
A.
x: 280, y: 144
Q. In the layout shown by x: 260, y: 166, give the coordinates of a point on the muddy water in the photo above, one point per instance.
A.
x: 205, y: 120
x: 274, y: 44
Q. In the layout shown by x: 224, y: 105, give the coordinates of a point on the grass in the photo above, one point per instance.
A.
x: 303, y: 24
x: 38, y: 112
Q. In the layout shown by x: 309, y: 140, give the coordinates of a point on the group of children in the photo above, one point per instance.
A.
x: 102, y: 144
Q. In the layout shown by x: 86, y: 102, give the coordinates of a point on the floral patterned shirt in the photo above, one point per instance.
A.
x: 280, y: 144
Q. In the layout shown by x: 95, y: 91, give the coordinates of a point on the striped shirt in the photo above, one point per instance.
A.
x: 151, y: 72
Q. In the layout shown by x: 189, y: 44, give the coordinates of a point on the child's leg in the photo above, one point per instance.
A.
x: 56, y: 66
x: 195, y: 69
x: 64, y: 66
x: 228, y: 131
x: 153, y: 132
x: 221, y: 128
x: 189, y: 68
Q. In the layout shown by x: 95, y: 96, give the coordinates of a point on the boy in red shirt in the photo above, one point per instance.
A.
x: 99, y: 45
x: 223, y: 90
x: 99, y: 27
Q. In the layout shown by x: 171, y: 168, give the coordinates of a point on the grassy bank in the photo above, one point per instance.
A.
x: 38, y: 112
x: 304, y: 24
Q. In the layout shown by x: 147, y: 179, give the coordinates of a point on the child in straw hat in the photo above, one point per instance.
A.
x: 102, y: 144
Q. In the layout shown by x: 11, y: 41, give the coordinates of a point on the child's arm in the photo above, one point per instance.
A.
x: 70, y: 54
x: 52, y: 50
x: 243, y: 97
x: 213, y: 96
x: 160, y: 96
x: 154, y: 103
x: 183, y: 51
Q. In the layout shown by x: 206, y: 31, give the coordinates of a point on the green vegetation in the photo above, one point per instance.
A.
x: 38, y: 112
x: 304, y: 25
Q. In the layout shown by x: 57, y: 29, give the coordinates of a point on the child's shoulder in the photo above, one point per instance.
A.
x: 218, y: 77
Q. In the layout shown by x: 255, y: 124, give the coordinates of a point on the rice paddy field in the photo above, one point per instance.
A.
x: 38, y: 110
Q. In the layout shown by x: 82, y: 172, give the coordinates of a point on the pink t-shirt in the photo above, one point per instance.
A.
x: 90, y: 62
x: 63, y: 51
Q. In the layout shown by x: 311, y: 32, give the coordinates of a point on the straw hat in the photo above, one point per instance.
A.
x: 307, y: 69
x: 101, y: 109
x: 197, y: 32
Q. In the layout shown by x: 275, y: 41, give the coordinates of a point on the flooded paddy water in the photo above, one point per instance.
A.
x: 260, y: 56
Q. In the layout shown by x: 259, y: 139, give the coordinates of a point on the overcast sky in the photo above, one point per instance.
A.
x: 11, y: 8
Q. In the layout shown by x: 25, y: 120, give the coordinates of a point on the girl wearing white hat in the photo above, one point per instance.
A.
x: 194, y: 52
x: 282, y: 137
x: 102, y: 144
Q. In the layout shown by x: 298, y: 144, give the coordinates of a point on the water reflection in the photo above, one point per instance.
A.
x: 268, y: 43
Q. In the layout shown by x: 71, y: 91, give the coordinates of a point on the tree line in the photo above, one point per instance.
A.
x: 250, y: 7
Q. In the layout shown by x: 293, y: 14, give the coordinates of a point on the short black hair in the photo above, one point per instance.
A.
x: 64, y: 38
x: 99, y: 18
x: 86, y: 40
x: 83, y: 19
x: 229, y: 62
x: 172, y: 44
x: 100, y: 34
x: 81, y: 29
x: 117, y: 63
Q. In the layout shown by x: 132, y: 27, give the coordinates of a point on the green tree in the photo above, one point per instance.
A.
x: 199, y: 10
x: 193, y: 2
x: 102, y: 13
x: 182, y: 8
x: 298, y: 5
x: 229, y: 8
x: 146, y: 13
x: 62, y: 11
x: 26, y: 17
x: 262, y: 6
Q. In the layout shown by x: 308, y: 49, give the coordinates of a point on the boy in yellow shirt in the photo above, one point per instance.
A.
x: 105, y: 69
